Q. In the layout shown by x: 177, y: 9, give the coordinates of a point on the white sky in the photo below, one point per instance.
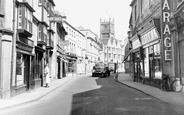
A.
x: 87, y: 13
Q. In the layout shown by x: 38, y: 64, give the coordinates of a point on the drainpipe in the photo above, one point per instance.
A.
x: 13, y: 46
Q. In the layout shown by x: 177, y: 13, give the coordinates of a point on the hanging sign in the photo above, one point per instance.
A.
x: 166, y: 13
x: 55, y: 19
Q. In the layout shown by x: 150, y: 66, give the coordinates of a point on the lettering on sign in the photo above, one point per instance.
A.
x: 150, y: 36
x: 55, y: 19
x: 166, y: 30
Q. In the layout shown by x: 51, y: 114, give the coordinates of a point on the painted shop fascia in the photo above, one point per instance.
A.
x: 148, y: 35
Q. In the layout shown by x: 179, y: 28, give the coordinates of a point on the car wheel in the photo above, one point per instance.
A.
x: 92, y: 74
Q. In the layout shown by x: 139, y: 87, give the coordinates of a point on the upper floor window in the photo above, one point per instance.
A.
x: 39, y: 33
x: 25, y: 20
x: 45, y: 33
x: 19, y: 17
x: 28, y: 20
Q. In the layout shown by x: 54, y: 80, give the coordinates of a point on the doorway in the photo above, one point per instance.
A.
x: 151, y: 68
x: 59, y: 68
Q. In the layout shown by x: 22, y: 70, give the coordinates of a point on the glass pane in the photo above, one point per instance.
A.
x: 20, y: 69
x: 157, y: 61
x: 146, y: 62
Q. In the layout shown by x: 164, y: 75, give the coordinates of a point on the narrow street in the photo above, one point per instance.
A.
x: 86, y: 95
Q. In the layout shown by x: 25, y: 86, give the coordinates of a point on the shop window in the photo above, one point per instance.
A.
x: 146, y: 62
x: 20, y: 69
x: 157, y: 61
x: 71, y: 67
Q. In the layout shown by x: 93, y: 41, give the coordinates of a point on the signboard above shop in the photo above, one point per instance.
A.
x: 57, y: 17
x: 136, y: 44
x: 149, y: 36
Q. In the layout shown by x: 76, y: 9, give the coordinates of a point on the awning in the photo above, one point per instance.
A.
x: 127, y: 56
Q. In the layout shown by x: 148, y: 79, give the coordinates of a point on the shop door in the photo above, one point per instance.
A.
x: 63, y: 69
x: 59, y: 68
x: 26, y: 71
x: 151, y: 67
x: 136, y: 70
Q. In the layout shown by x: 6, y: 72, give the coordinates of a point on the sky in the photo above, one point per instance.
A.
x: 87, y: 13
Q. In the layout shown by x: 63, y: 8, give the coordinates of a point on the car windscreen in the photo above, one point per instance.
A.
x: 99, y: 65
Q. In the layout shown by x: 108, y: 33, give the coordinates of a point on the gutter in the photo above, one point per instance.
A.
x: 13, y: 45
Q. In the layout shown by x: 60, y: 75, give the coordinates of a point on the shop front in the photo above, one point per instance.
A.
x: 135, y: 52
x: 61, y: 65
x: 80, y: 65
x: 151, y: 56
x: 38, y: 67
x: 22, y: 81
x: 146, y: 54
x: 71, y: 67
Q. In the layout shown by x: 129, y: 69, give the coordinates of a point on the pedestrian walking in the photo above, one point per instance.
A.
x: 116, y: 76
x: 47, y: 75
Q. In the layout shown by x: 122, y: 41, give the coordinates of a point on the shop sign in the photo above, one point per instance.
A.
x: 64, y: 43
x: 136, y: 44
x: 166, y: 30
x: 55, y: 19
x: 150, y: 36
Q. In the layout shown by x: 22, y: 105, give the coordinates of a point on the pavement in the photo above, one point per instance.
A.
x: 173, y: 99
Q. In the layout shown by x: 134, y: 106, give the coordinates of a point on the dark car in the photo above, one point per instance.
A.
x: 100, y: 70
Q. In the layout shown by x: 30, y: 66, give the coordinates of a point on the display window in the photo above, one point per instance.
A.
x: 152, y: 62
x: 20, y: 70
x: 146, y: 63
x: 157, y: 61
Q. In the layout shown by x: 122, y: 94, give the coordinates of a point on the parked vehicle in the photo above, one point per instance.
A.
x: 100, y: 69
x: 111, y: 66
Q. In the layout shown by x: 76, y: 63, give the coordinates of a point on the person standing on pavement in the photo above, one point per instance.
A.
x: 116, y: 76
x: 47, y: 75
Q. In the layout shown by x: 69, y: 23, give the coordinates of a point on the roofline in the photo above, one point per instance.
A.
x: 88, y: 30
x: 64, y: 21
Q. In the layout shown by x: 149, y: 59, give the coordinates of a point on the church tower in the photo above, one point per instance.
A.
x: 107, y: 28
